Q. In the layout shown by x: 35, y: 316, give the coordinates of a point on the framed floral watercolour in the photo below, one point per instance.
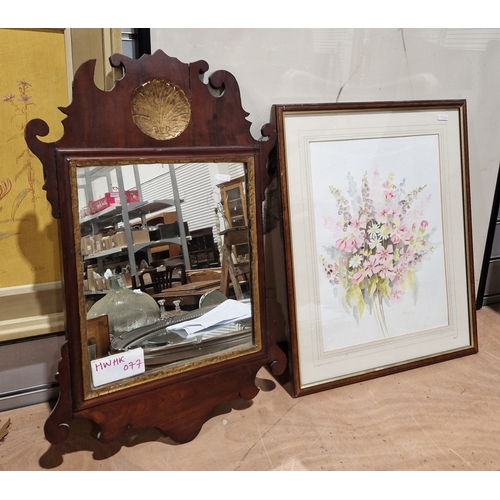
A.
x: 377, y: 235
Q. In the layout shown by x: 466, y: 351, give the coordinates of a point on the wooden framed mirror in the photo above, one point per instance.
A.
x: 141, y: 180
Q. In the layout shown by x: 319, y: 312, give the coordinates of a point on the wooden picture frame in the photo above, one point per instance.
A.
x: 377, y: 238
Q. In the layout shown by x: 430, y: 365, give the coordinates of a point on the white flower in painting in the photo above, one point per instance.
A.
x: 375, y: 241
x: 355, y: 261
x: 373, y: 230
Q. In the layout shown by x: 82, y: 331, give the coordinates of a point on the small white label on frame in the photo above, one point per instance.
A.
x: 442, y: 118
x: 117, y: 366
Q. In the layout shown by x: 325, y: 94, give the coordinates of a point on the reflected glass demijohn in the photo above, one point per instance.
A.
x: 125, y: 309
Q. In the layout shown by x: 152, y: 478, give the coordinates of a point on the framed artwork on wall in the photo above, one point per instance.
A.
x: 30, y: 286
x: 31, y: 297
x: 377, y: 237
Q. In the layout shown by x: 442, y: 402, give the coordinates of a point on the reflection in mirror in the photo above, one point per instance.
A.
x: 166, y: 268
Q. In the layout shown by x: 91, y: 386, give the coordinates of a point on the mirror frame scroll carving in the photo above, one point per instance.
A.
x: 100, y: 129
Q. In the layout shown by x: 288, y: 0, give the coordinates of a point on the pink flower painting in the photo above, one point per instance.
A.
x: 379, y: 240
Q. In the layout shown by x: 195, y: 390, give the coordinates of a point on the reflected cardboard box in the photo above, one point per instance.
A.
x: 138, y: 236
x: 96, y: 240
x: 127, y: 280
x: 87, y: 245
x: 106, y: 243
x: 101, y: 284
x: 91, y: 285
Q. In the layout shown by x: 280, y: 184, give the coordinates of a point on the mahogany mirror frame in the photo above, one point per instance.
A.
x: 102, y: 129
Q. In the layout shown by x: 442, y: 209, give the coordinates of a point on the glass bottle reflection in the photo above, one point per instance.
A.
x: 126, y: 309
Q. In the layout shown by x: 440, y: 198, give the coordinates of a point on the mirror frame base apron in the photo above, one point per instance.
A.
x: 205, y: 121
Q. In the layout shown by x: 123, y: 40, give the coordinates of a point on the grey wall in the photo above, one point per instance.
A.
x: 27, y: 371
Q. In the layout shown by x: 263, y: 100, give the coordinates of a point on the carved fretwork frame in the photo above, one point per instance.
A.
x: 206, y: 121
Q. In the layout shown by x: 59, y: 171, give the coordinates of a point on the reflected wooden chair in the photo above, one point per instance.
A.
x: 234, y: 264
x: 161, y: 278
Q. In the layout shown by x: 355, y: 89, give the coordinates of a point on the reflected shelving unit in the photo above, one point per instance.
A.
x: 128, y: 215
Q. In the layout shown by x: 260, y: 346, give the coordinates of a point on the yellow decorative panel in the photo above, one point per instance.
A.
x: 33, y: 83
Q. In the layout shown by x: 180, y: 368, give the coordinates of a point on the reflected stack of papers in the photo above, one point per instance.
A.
x: 230, y: 311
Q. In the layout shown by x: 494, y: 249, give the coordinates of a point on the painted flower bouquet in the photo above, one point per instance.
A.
x: 380, y: 237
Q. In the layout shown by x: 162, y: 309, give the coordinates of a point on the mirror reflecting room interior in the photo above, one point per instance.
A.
x: 165, y: 267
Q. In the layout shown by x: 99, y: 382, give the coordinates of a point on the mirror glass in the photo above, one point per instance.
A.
x: 166, y: 268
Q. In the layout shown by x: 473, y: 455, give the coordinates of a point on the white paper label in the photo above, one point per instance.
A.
x: 443, y: 118
x: 222, y: 177
x: 117, y: 366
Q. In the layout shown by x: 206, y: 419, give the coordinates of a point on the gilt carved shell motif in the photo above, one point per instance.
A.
x: 160, y: 109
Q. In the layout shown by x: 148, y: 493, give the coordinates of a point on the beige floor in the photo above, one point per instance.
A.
x: 441, y: 417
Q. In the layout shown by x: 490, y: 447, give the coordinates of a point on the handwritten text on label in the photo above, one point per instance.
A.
x: 117, y: 367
